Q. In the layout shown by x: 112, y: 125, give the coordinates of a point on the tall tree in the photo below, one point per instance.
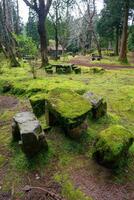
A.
x: 89, y: 17
x: 6, y: 38
x: 55, y: 17
x: 41, y: 8
x: 123, y: 48
x: 109, y: 25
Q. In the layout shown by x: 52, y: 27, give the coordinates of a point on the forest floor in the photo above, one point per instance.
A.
x: 68, y: 169
x: 107, y: 62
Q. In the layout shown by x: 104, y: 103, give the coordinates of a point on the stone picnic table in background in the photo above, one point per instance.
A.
x: 99, y: 105
x: 63, y: 69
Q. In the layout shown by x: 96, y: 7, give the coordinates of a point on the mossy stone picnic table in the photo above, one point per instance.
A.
x: 69, y: 110
x: 63, y: 68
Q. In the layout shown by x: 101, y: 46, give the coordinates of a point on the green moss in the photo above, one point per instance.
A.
x: 38, y: 103
x: 22, y: 164
x: 112, y: 144
x: 31, y: 87
x: 68, y: 105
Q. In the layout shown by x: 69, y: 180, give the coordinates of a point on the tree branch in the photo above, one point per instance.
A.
x: 48, y: 4
x: 32, y: 6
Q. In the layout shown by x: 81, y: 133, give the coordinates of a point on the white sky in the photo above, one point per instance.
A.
x: 24, y: 9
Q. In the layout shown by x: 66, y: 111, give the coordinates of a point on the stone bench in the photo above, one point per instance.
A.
x: 37, y: 102
x: 63, y: 68
x: 69, y: 110
x: 99, y: 105
x: 27, y: 131
x: 112, y: 146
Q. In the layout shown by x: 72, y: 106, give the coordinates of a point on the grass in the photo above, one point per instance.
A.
x: 117, y: 87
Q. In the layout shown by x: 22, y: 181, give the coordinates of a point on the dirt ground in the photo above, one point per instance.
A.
x: 85, y: 61
x: 97, y: 182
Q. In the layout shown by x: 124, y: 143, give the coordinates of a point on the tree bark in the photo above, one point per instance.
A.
x: 7, y: 40
x: 3, y: 50
x: 43, y: 39
x: 117, y: 42
x: 42, y: 9
x: 123, y: 48
x: 17, y: 18
x: 97, y: 44
x: 56, y: 33
x: 56, y: 43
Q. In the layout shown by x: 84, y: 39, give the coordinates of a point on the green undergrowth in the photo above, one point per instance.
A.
x: 117, y: 87
x: 22, y: 164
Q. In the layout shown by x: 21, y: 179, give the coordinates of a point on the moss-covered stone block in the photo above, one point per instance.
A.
x: 77, y: 70
x: 67, y: 69
x: 27, y: 131
x: 49, y: 71
x: 63, y: 69
x: 38, y: 104
x: 95, y: 70
x: 74, y: 67
x: 59, y: 71
x: 112, y: 146
x: 69, y: 110
x: 49, y: 67
x: 99, y: 105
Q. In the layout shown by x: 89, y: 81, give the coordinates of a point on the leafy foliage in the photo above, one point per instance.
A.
x: 26, y: 45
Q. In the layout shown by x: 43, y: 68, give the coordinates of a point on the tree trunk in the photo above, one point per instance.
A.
x: 17, y: 18
x: 7, y: 40
x: 97, y: 44
x: 56, y: 42
x: 117, y: 42
x: 43, y: 38
x: 123, y: 49
x: 56, y: 34
x: 13, y: 61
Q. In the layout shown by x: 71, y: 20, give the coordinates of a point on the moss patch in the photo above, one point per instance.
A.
x: 112, y: 145
x: 38, y: 104
x: 68, y: 105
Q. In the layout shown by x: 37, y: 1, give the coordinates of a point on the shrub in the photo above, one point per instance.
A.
x: 26, y: 45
